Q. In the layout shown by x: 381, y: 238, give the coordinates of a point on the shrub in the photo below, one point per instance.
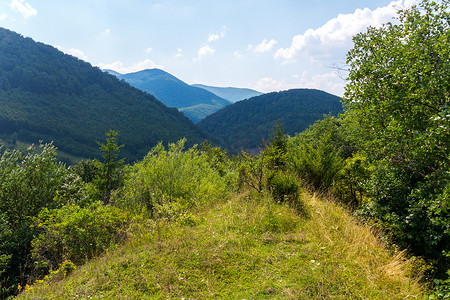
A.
x: 28, y: 183
x: 284, y: 187
x: 168, y: 179
x: 317, y: 154
x: 76, y: 234
x: 352, y: 180
x: 252, y: 171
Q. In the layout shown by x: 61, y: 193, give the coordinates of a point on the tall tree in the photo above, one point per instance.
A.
x: 397, y: 101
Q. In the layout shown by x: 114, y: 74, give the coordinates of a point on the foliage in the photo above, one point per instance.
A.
x: 244, y: 124
x: 277, y: 150
x: 76, y: 234
x: 28, y: 183
x: 351, y: 183
x: 242, y: 248
x: 171, y: 180
x: 253, y: 171
x: 441, y: 290
x: 397, y: 104
x: 50, y: 96
x: 284, y: 187
x: 110, y: 176
x: 317, y: 155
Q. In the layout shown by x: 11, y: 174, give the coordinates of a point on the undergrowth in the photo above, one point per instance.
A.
x: 245, y: 247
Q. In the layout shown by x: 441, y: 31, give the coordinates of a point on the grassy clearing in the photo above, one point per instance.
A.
x: 244, y: 248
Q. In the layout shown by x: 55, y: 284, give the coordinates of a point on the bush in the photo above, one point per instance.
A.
x: 352, y: 180
x: 28, y: 183
x: 171, y: 180
x: 284, y: 187
x: 76, y: 234
x: 317, y: 154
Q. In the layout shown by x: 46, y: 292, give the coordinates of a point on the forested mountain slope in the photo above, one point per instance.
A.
x: 50, y: 96
x: 243, y: 125
x: 230, y: 93
x: 195, y: 102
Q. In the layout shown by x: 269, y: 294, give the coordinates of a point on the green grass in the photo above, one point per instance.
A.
x: 246, y: 247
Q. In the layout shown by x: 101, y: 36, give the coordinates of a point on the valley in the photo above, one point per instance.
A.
x: 141, y: 186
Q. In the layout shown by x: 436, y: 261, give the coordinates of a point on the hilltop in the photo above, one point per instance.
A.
x: 244, y: 248
x: 50, y: 96
x: 244, y: 124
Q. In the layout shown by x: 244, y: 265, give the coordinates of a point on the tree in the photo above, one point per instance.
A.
x: 110, y: 177
x: 397, y: 103
x: 277, y: 149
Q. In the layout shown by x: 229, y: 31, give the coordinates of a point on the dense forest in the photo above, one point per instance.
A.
x: 47, y: 95
x: 245, y: 124
x: 192, y: 221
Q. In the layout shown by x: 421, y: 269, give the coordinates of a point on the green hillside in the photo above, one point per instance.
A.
x: 175, y: 93
x: 47, y: 95
x: 243, y: 247
x: 244, y: 124
x: 356, y: 206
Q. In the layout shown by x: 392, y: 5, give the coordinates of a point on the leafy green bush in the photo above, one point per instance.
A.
x: 284, y: 187
x: 352, y: 180
x: 28, y: 183
x: 76, y: 234
x: 317, y: 154
x: 171, y: 181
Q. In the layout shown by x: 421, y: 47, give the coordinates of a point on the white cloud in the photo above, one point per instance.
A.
x: 329, y: 82
x: 334, y: 38
x: 268, y: 84
x: 25, y: 9
x: 213, y: 37
x: 179, y: 53
x: 237, y: 54
x: 77, y: 53
x: 216, y: 36
x: 149, y: 49
x: 106, y: 32
x: 3, y: 17
x: 205, y: 51
x: 262, y: 47
x: 118, y: 66
x: 74, y: 52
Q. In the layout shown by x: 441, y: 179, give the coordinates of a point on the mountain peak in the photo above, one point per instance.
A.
x: 51, y: 96
x: 195, y: 102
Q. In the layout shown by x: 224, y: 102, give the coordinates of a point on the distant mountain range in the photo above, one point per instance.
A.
x: 230, y: 93
x: 196, y: 103
x: 50, y: 96
x: 245, y: 124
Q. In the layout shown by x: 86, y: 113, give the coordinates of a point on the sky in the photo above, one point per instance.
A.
x: 265, y: 45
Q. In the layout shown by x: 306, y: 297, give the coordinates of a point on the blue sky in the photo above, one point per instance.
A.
x: 260, y: 44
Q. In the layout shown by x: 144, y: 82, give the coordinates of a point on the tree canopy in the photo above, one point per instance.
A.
x: 397, y: 103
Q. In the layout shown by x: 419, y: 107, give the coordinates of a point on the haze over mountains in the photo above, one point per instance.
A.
x: 196, y: 103
x: 230, y: 93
